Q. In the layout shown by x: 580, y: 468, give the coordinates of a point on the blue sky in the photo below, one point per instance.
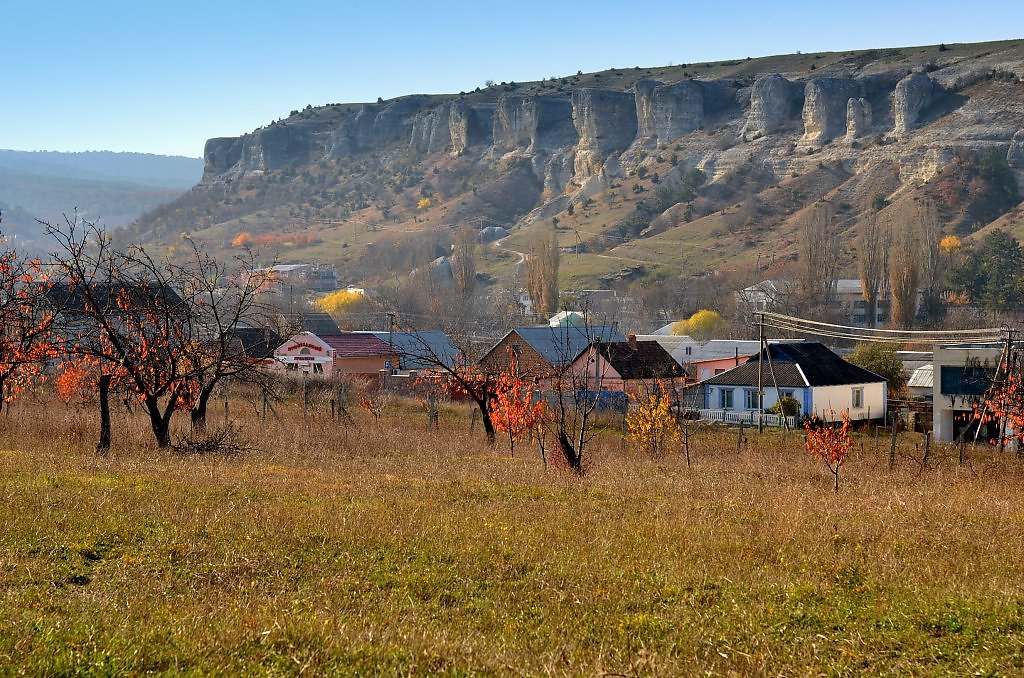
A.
x: 163, y: 76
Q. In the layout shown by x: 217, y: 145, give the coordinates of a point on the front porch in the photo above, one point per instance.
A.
x: 746, y: 418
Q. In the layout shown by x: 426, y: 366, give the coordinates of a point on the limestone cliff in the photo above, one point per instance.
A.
x: 825, y: 108
x: 913, y: 94
x: 774, y: 103
x: 668, y: 111
x: 606, y: 122
x: 532, y: 123
x: 858, y: 118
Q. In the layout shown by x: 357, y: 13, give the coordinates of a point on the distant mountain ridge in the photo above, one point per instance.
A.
x: 110, y: 187
x: 146, y: 169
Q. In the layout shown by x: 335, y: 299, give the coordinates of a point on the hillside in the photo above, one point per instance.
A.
x: 115, y: 188
x: 608, y: 158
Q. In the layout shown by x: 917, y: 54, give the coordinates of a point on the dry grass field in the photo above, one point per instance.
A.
x: 391, y: 550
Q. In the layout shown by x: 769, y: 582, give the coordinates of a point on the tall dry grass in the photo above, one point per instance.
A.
x: 395, y: 549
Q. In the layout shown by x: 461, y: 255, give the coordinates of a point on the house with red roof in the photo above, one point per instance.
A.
x: 331, y: 355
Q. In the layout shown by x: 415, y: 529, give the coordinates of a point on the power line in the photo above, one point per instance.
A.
x: 805, y: 326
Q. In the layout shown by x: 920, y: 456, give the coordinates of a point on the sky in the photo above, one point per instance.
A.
x: 162, y: 76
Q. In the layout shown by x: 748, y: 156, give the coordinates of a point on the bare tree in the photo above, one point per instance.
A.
x: 926, y: 214
x: 463, y: 261
x: 542, y: 272
x: 819, y: 256
x: 224, y: 302
x: 904, y: 271
x: 873, y: 263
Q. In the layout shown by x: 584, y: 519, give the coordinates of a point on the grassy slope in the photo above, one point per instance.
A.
x: 394, y: 553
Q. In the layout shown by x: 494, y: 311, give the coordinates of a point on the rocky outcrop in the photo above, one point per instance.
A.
x: 376, y: 126
x: 532, y: 123
x: 431, y: 130
x: 913, y: 94
x: 469, y: 125
x: 858, y: 118
x: 1015, y: 154
x: 220, y: 155
x: 825, y: 108
x: 558, y: 171
x: 606, y: 122
x: 668, y: 111
x: 774, y: 103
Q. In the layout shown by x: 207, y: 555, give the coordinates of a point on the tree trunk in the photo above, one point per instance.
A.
x: 485, y: 416
x: 103, y: 446
x: 569, y: 452
x: 198, y: 413
x: 160, y: 423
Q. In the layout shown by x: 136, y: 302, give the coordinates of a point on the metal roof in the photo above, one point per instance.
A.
x: 421, y: 349
x: 560, y: 345
x: 923, y: 377
x: 813, y: 362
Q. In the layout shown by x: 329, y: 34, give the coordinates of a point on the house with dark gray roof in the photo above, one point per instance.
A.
x: 823, y: 383
x: 629, y: 366
x: 540, y: 350
x: 421, y: 350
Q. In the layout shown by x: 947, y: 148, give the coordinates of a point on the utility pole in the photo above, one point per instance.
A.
x: 760, y: 378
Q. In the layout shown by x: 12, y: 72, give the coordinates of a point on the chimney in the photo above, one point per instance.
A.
x: 631, y: 338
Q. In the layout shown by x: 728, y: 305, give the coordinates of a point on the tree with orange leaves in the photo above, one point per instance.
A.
x: 513, y: 409
x: 25, y: 323
x: 120, y: 310
x: 829, y: 442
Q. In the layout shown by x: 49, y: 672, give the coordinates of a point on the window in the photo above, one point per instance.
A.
x: 719, y: 371
x: 858, y: 398
x: 291, y: 366
x: 750, y: 400
x: 304, y: 351
x: 787, y: 393
x: 965, y: 380
x: 725, y: 399
x: 318, y: 368
x: 689, y: 350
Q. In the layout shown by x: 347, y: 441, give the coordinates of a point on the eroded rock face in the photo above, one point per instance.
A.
x: 1015, y: 154
x: 532, y: 123
x: 606, y: 122
x: 774, y: 102
x: 858, y: 118
x: 668, y: 111
x: 825, y: 108
x: 913, y: 94
x: 431, y: 131
x: 469, y: 125
x: 220, y: 155
x: 375, y: 126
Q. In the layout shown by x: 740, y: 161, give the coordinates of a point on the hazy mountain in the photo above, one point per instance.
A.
x: 113, y: 188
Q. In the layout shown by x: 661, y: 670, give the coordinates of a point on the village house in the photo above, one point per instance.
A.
x: 702, y: 360
x: 848, y: 301
x: 820, y: 381
x: 332, y: 355
x: 629, y: 366
x: 962, y: 375
x: 539, y: 351
x: 420, y: 350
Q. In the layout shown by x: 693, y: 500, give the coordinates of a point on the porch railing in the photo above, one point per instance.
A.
x: 745, y: 417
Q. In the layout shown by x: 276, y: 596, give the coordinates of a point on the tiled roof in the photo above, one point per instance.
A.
x: 354, y: 345
x: 640, y: 359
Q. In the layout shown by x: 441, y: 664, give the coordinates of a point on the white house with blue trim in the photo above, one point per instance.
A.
x: 822, y: 382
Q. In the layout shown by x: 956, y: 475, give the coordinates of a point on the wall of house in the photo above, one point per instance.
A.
x: 531, y: 363
x: 947, y: 405
x: 306, y: 353
x: 590, y: 373
x: 739, y: 397
x: 371, y: 365
x: 828, y: 402
x: 705, y: 369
